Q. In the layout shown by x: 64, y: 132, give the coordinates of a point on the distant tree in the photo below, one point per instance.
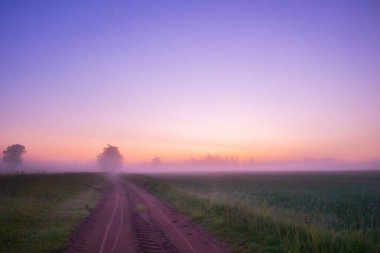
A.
x: 12, y: 155
x: 156, y: 161
x: 213, y: 160
x: 110, y: 158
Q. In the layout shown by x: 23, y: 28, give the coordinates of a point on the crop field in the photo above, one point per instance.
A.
x: 38, y: 211
x: 280, y: 212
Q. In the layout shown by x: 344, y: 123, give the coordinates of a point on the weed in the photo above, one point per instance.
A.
x: 141, y: 208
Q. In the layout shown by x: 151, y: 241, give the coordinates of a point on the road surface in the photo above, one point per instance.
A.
x: 129, y: 219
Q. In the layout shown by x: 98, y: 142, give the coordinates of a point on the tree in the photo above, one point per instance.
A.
x: 110, y: 158
x: 156, y: 161
x: 12, y: 155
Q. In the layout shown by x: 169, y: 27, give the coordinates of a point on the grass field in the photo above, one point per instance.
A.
x: 38, y: 211
x: 294, y: 212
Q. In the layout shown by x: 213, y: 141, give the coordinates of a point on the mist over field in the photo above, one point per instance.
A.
x: 211, y: 126
x: 188, y: 167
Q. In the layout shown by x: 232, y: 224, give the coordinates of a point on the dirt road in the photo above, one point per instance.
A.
x: 129, y: 219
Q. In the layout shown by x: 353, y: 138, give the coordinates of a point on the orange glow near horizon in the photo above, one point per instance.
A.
x: 143, y: 151
x: 256, y: 81
x: 178, y: 139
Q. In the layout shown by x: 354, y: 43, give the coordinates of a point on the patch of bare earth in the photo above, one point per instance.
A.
x: 129, y: 219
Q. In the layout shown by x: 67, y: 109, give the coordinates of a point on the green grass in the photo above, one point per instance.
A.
x: 296, y: 212
x: 38, y: 211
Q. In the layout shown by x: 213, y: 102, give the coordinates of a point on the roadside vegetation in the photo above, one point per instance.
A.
x: 294, y: 212
x: 38, y: 211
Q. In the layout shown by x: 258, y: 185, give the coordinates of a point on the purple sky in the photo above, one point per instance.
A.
x: 268, y: 80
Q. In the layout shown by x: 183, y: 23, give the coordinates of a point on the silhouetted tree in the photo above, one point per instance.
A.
x: 156, y: 161
x: 12, y: 155
x: 110, y: 158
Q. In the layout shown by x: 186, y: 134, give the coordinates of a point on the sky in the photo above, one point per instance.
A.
x: 262, y: 80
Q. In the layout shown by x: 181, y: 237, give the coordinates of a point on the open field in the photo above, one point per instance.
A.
x: 256, y: 212
x: 293, y: 212
x: 55, y: 213
x: 38, y: 211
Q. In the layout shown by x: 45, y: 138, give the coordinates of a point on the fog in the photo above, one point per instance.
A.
x: 197, y: 167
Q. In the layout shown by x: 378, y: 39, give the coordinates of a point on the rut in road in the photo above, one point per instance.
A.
x: 150, y: 237
x: 129, y: 219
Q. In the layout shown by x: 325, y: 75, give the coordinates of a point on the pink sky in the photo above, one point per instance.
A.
x: 253, y: 80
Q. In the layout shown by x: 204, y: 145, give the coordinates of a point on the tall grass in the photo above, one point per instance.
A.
x: 38, y: 211
x: 328, y: 212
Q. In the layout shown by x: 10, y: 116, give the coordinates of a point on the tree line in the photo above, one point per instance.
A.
x: 110, y: 158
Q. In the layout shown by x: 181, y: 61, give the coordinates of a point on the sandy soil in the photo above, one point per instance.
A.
x: 129, y: 219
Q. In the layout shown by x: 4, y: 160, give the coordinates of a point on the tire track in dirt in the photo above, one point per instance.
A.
x: 178, y: 229
x: 129, y: 219
x: 110, y: 230
x: 150, y: 237
x: 109, y: 224
x: 119, y: 231
x: 80, y: 233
